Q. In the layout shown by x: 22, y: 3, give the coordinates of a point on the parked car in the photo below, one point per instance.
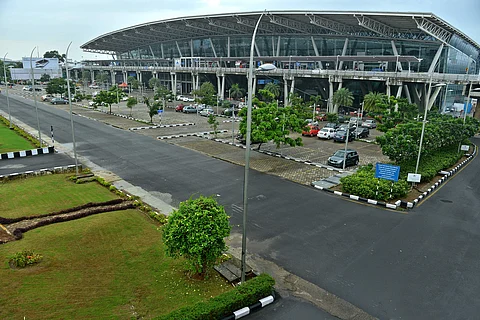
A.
x: 310, y: 130
x: 200, y: 106
x: 346, y: 126
x: 46, y: 97
x: 228, y: 112
x: 189, y: 109
x: 341, y: 136
x: 27, y: 88
x: 341, y: 119
x: 361, y: 132
x: 58, y: 101
x: 331, y: 125
x: 355, y: 120
x: 38, y: 89
x: 351, y: 158
x: 179, y: 108
x: 326, y: 133
x: 206, y: 112
x: 369, y: 123
x: 93, y: 86
x: 179, y: 97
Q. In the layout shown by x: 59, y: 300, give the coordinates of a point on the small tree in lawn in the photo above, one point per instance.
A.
x: 152, y: 107
x: 131, y: 102
x: 212, y: 121
x: 197, y: 231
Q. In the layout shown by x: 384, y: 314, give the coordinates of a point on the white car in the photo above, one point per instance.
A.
x: 326, y: 133
x: 206, y: 112
x: 27, y: 88
x: 93, y: 86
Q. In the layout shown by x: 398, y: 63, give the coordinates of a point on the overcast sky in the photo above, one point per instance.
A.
x: 52, y: 24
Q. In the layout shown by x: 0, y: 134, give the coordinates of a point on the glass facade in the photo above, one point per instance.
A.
x: 460, y: 57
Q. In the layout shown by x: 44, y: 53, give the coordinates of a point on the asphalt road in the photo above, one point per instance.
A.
x: 421, y: 265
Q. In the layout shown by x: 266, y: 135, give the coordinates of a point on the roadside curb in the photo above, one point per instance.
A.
x: 401, y: 203
x: 163, y: 126
x: 196, y: 134
x: 27, y: 153
x: 246, y: 311
x: 69, y: 168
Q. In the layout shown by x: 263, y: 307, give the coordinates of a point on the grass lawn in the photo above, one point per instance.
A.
x: 106, y: 266
x: 11, y: 141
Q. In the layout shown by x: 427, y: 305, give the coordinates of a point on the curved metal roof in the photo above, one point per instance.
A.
x: 384, y: 25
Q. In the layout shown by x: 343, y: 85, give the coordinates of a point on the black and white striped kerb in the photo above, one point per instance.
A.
x: 246, y: 311
x: 164, y: 126
x: 26, y: 153
x: 68, y: 168
x: 196, y: 134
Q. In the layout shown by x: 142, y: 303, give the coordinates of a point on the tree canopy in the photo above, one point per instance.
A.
x: 270, y: 123
x: 236, y: 92
x: 109, y: 97
x: 55, y: 54
x: 59, y: 86
x: 207, y: 93
x: 154, y: 83
x: 197, y: 231
x: 133, y: 82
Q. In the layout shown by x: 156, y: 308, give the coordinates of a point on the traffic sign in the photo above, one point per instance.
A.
x: 387, y: 171
x: 159, y: 111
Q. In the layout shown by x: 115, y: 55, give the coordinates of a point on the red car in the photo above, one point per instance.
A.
x: 179, y: 108
x: 312, y: 130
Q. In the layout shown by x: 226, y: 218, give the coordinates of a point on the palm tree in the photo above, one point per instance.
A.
x: 273, y: 88
x: 343, y: 97
x: 372, y: 101
x: 235, y: 91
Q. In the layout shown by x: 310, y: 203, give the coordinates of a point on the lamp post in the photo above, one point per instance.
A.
x: 427, y: 102
x: 6, y: 91
x: 71, y: 113
x: 35, y: 97
x: 247, y: 151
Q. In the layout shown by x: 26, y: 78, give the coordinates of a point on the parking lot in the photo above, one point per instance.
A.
x: 313, y: 149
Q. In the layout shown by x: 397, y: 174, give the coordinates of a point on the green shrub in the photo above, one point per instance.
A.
x: 364, y: 184
x: 225, y: 304
x: 431, y: 164
x: 24, y: 258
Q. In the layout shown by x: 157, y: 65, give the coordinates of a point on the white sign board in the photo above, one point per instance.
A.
x: 465, y: 147
x: 40, y: 63
x: 414, y: 177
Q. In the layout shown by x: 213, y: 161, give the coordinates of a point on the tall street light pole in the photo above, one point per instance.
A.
x: 35, y: 97
x: 71, y: 113
x: 6, y: 91
x: 247, y: 150
x: 427, y: 102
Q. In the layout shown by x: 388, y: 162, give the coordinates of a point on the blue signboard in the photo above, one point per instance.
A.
x: 159, y: 111
x: 387, y: 171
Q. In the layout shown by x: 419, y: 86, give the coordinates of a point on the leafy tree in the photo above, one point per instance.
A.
x: 55, y: 54
x: 317, y: 100
x: 212, y: 121
x: 270, y: 123
x: 197, y: 231
x: 332, y: 117
x: 133, y: 82
x: 59, y: 86
x: 6, y: 68
x: 273, y: 88
x: 236, y: 92
x: 131, y: 102
x: 45, y: 78
x: 162, y: 93
x: 152, y: 107
x: 342, y: 97
x: 101, y: 77
x: 154, y: 83
x: 86, y: 76
x: 266, y: 95
x: 207, y: 93
x: 108, y: 97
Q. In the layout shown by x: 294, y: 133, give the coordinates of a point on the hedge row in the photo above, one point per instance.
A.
x: 431, y: 164
x: 364, y: 184
x: 225, y: 304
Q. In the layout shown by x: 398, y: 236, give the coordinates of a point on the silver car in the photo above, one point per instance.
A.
x: 369, y: 123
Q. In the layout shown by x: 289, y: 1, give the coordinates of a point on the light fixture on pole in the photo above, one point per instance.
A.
x: 35, y: 98
x: 71, y: 113
x: 247, y: 151
x: 427, y: 102
x: 6, y: 92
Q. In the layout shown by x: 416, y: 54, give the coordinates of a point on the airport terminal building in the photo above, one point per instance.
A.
x: 315, y: 52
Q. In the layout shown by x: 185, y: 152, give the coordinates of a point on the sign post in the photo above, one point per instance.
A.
x: 387, y: 172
